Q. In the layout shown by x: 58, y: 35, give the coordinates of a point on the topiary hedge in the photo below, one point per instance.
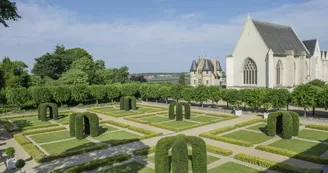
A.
x: 286, y: 120
x: 287, y: 126
x: 90, y: 122
x: 94, y: 123
x: 122, y: 103
x: 180, y: 155
x: 171, y: 110
x: 134, y: 103
x: 162, y: 162
x: 53, y: 111
x: 72, y: 124
x: 78, y: 127
x: 315, y: 126
x: 179, y: 116
x: 126, y: 103
x: 199, y: 156
x: 218, y: 150
x: 296, y: 123
x: 187, y: 110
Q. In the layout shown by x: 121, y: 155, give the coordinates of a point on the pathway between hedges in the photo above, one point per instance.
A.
x: 99, y: 154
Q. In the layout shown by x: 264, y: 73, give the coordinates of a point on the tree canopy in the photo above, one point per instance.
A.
x: 8, y: 11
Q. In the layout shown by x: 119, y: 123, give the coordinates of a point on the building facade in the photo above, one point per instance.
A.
x: 205, y: 72
x: 273, y: 56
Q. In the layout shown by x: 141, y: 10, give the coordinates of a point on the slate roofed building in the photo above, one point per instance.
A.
x: 206, y: 72
x: 273, y: 55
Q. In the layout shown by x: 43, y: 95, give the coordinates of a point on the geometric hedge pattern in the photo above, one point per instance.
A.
x: 90, y: 122
x: 178, y: 111
x: 42, y: 111
x: 128, y: 102
x: 179, y: 158
x: 283, y: 122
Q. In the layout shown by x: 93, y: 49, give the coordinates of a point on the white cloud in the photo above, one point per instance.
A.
x: 154, y: 44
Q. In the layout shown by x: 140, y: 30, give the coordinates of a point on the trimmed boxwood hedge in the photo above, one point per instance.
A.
x: 315, y: 126
x: 87, y: 166
x: 227, y: 140
x: 179, y: 116
x: 171, y: 110
x: 218, y: 150
x: 296, y: 123
x: 199, y: 155
x: 162, y: 162
x: 281, y: 167
x: 122, y: 103
x: 91, y: 125
x: 72, y: 124
x: 127, y: 103
x: 253, y: 121
x: 53, y: 111
x: 289, y: 124
x: 78, y: 127
x: 115, y: 123
x: 31, y: 132
x: 180, y: 155
x: 187, y: 110
x: 134, y: 103
x: 144, y: 151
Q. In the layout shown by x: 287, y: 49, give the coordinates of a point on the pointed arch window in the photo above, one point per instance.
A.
x: 250, y: 72
x: 279, y: 73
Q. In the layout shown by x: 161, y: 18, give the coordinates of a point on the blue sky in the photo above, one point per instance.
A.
x: 151, y: 35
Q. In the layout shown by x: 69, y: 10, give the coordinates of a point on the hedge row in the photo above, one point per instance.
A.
x: 187, y: 110
x: 114, y: 123
x: 144, y: 151
x: 127, y: 102
x: 319, y: 127
x: 253, y: 121
x: 179, y: 157
x: 289, y: 153
x: 179, y: 114
x: 281, y: 167
x: 147, y: 133
x: 162, y: 163
x: 174, y: 129
x: 87, y: 166
x: 227, y: 140
x: 19, y: 116
x: 39, y: 127
x: 29, y: 147
x: 107, y: 113
x: 171, y: 110
x: 199, y: 154
x: 218, y: 150
x: 9, y: 126
x: 137, y: 120
x: 5, y: 110
x: 221, y: 130
x: 31, y: 132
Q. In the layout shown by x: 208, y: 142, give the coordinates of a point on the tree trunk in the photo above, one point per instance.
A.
x: 156, y: 100
x: 287, y: 107
x: 166, y: 100
x: 146, y: 99
x: 227, y: 105
x: 212, y: 104
x: 313, y: 110
x: 97, y: 102
x: 304, y: 112
x: 202, y: 104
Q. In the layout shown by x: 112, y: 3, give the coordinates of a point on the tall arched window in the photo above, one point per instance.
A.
x: 250, y: 72
x: 294, y: 68
x: 279, y: 73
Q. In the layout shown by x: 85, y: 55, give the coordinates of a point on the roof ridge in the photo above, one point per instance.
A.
x: 276, y: 24
x: 310, y: 39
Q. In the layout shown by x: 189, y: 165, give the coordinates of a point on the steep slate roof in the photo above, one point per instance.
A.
x: 279, y: 38
x: 193, y: 66
x: 324, y: 53
x: 218, y: 66
x: 208, y: 66
x: 310, y: 45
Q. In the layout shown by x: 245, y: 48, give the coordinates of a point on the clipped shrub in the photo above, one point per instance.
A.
x: 171, y: 110
x: 253, y: 121
x: 144, y: 151
x: 179, y: 155
x: 287, y: 126
x: 315, y: 126
x: 20, y: 163
x: 122, y: 103
x: 134, y: 103
x: 285, y: 121
x: 31, y: 132
x: 78, y: 127
x: 72, y: 124
x: 187, y: 110
x: 90, y: 122
x: 80, y: 105
x: 53, y: 111
x: 179, y: 116
x: 10, y: 151
x: 199, y: 155
x: 162, y: 162
x: 272, y: 122
x: 296, y: 123
x: 218, y: 150
x: 227, y: 140
x: 115, y: 123
x: 221, y: 130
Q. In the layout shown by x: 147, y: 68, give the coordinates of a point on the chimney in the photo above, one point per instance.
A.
x: 214, y: 66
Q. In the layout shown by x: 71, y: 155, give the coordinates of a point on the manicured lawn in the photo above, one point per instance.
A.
x: 313, y: 135
x: 260, y: 127
x: 31, y: 122
x: 300, y: 146
x: 252, y: 137
x: 231, y: 167
x: 155, y: 119
x: 117, y: 137
x: 132, y: 167
x: 64, y: 146
x: 49, y: 137
x: 178, y: 124
x: 116, y: 112
x: 106, y: 128
x: 203, y: 118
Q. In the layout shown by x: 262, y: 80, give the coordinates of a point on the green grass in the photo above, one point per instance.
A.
x: 248, y: 136
x: 116, y: 112
x: 313, y: 135
x: 30, y: 122
x: 49, y: 137
x: 156, y: 119
x: 64, y: 146
x: 106, y: 128
x: 260, y: 127
x: 300, y: 146
x: 117, y: 137
x: 231, y: 167
x: 178, y: 124
x: 132, y: 167
x: 203, y: 118
x: 63, y: 118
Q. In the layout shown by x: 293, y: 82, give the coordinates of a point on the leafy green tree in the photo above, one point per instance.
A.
x: 187, y: 93
x: 2, y: 96
x: 214, y: 93
x: 86, y: 65
x: 176, y: 91
x: 112, y: 92
x: 217, y: 96
x: 74, y: 77
x: 165, y: 92
x: 17, y: 96
x: 80, y: 93
x: 61, y: 94
x: 279, y: 98
x: 317, y: 82
x: 323, y: 97
x: 143, y: 91
x: 8, y: 11
x: 99, y: 65
x: 267, y: 102
x: 304, y: 96
x: 182, y: 79
x: 254, y: 97
x: 98, y: 92
x: 74, y: 54
x: 36, y: 80
x: 224, y: 96
x: 153, y: 91
x: 233, y: 97
x: 10, y: 151
x: 40, y: 94
x: 13, y: 73
x: 49, y: 65
x: 202, y: 94
x: 129, y: 89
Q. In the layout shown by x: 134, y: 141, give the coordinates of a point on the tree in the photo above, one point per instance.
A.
x: 165, y: 92
x: 176, y: 91
x: 143, y: 91
x: 140, y: 78
x: 317, y: 82
x: 279, y: 98
x: 13, y: 73
x: 98, y: 92
x: 49, y: 65
x: 201, y: 94
x: 267, y: 102
x: 112, y: 92
x: 61, y: 94
x: 10, y: 151
x: 86, y: 65
x: 216, y: 96
x: 153, y: 91
x: 99, y: 65
x: 74, y: 77
x: 323, y: 97
x: 187, y: 93
x: 182, y: 79
x: 80, y: 93
x: 224, y: 96
x: 8, y: 11
x: 17, y: 96
x: 254, y: 97
x: 20, y: 163
x: 213, y: 93
x: 129, y: 89
x: 40, y: 94
x: 304, y: 96
x: 233, y: 97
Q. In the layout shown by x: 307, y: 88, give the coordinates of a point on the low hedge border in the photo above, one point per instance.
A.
x: 8, y: 125
x: 174, y: 129
x: 281, y: 167
x: 292, y: 154
x: 29, y: 147
x: 144, y: 151
x: 318, y: 127
x: 253, y: 121
x: 221, y: 130
x: 31, y: 132
x: 137, y: 120
x: 29, y: 115
x: 218, y: 150
x: 87, y: 166
x: 148, y: 134
x: 39, y: 127
x: 115, y: 123
x: 227, y: 140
